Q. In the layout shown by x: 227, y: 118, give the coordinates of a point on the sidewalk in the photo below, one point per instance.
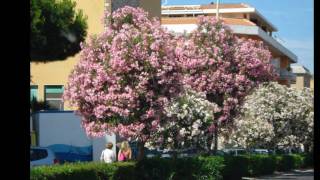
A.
x: 299, y: 174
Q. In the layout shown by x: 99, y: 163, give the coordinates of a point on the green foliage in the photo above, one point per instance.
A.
x: 84, y: 171
x: 155, y: 168
x: 261, y: 165
x: 56, y: 29
x: 235, y: 167
x: 307, y: 160
x: 292, y: 161
x: 209, y: 168
x: 196, y: 168
x: 181, y: 168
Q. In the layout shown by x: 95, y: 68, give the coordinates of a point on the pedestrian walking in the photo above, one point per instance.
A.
x: 125, y: 152
x: 107, y: 155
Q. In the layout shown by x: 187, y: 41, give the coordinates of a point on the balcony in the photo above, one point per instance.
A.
x: 285, y: 74
x: 274, y: 44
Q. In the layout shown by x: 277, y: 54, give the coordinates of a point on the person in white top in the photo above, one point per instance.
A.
x: 107, y: 155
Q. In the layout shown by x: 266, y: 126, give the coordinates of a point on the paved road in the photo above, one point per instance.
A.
x: 307, y: 174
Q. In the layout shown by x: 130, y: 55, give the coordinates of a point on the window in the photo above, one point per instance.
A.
x: 53, y: 97
x: 276, y: 64
x: 33, y: 92
x: 37, y: 154
x: 175, y: 15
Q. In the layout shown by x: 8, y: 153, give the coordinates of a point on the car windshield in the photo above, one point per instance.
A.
x: 37, y: 154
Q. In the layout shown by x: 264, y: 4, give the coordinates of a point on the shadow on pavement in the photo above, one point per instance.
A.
x: 295, y: 174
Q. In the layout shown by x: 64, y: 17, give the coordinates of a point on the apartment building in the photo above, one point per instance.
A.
x: 243, y: 19
x: 48, y: 79
x: 303, y: 77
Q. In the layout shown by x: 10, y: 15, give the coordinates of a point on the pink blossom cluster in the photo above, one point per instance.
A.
x: 222, y: 65
x: 125, y: 76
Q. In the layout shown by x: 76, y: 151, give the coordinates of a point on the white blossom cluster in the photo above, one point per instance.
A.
x: 188, y: 119
x: 275, y: 116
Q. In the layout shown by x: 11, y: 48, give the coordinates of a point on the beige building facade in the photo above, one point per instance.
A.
x: 49, y: 79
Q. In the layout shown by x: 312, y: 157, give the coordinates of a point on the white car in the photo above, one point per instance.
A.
x: 42, y: 156
x: 261, y: 151
x: 235, y: 151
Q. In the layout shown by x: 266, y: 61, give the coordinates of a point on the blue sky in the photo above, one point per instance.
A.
x: 293, y: 19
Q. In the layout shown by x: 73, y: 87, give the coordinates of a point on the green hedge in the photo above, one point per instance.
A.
x: 84, y: 171
x: 184, y: 168
x: 235, y: 167
x: 288, y: 162
x: 308, y: 160
x: 196, y: 168
x: 261, y: 165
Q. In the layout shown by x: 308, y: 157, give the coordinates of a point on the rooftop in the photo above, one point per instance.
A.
x: 211, y: 9
x: 193, y: 20
x: 207, y: 6
x: 299, y: 69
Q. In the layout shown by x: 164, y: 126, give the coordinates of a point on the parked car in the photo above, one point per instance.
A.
x: 167, y: 153
x: 42, y: 156
x: 218, y: 153
x: 180, y: 154
x: 153, y: 153
x: 188, y: 153
x: 260, y: 151
x: 235, y: 151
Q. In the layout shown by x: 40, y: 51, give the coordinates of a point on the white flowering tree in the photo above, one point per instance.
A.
x: 275, y: 116
x: 189, y: 117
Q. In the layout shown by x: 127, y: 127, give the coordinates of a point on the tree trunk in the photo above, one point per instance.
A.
x: 209, y: 144
x: 215, y: 139
x: 174, y: 155
x: 306, y: 148
x: 140, y: 151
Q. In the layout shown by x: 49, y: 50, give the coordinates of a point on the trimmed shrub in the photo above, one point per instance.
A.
x: 84, y: 171
x: 154, y: 168
x: 297, y: 161
x: 209, y: 168
x: 261, y: 165
x: 307, y: 160
x: 181, y: 168
x: 195, y: 168
x: 235, y: 167
x: 292, y: 161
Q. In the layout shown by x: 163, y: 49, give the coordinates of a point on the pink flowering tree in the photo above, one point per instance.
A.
x: 226, y: 68
x: 128, y: 77
x: 125, y: 77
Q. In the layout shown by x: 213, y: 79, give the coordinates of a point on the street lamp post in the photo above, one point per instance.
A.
x: 217, y: 7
